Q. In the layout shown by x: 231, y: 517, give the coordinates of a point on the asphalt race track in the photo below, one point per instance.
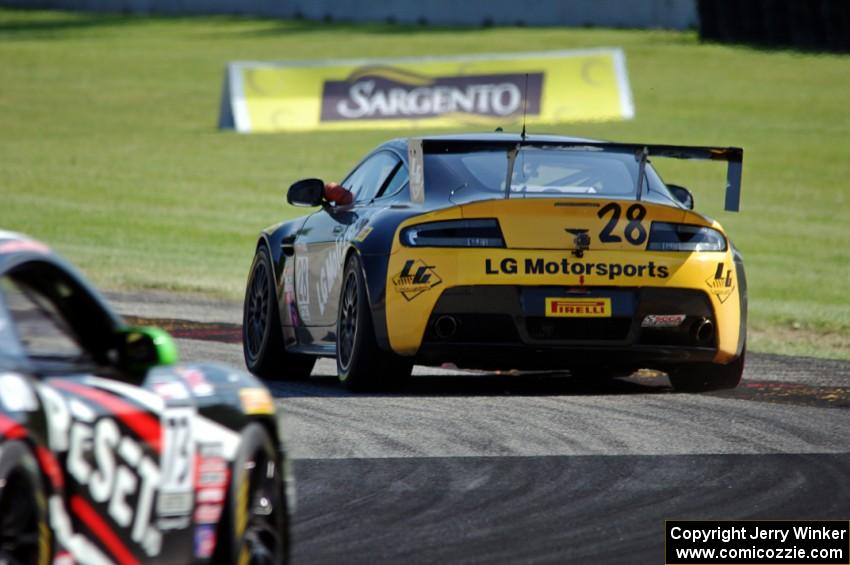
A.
x: 467, y: 467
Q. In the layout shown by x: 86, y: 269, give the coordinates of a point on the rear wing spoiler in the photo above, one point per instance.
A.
x: 734, y: 156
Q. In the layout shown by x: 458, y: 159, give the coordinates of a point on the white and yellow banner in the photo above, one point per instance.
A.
x: 477, y: 90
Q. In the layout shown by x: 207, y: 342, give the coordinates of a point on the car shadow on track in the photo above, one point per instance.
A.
x: 482, y: 384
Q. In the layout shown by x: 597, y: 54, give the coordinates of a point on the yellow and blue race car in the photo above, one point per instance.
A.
x: 501, y: 251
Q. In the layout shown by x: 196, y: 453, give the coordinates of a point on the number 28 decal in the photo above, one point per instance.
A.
x: 634, y: 232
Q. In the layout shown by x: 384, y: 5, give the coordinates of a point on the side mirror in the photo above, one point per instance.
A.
x: 682, y: 194
x: 140, y: 348
x: 306, y: 192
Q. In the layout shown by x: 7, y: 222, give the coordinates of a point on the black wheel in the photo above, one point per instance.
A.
x: 255, y: 525
x: 708, y: 376
x: 360, y: 363
x: 262, y: 340
x: 24, y: 533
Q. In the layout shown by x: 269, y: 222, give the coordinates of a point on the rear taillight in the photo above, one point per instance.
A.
x: 684, y: 237
x: 454, y: 233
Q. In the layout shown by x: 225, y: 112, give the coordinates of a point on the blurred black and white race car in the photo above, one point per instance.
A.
x: 110, y: 451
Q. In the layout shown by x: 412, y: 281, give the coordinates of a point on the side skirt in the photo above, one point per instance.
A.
x: 317, y: 350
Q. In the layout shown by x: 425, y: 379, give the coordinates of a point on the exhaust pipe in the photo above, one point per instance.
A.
x: 445, y: 327
x: 703, y: 331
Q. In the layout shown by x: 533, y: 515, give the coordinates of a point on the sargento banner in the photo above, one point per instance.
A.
x: 480, y: 90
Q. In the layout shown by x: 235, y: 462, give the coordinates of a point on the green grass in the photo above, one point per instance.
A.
x: 108, y: 148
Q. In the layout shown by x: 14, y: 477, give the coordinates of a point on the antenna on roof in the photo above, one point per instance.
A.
x: 524, y: 107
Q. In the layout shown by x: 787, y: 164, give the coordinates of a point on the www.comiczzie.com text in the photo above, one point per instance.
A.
x: 757, y: 542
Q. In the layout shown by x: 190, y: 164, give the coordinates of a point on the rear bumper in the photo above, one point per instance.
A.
x: 505, y: 326
x: 492, y: 357
x: 422, y: 282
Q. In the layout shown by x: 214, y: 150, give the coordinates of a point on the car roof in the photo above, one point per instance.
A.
x: 400, y: 143
x: 16, y: 247
x: 503, y: 136
x: 11, y: 236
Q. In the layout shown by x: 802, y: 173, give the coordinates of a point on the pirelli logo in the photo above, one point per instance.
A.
x: 578, y: 307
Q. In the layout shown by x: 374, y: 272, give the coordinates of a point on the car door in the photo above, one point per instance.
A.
x: 322, y: 241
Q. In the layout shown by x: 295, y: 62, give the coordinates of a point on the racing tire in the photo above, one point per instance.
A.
x: 262, y: 339
x: 706, y: 377
x: 24, y: 532
x: 361, y: 364
x: 254, y: 527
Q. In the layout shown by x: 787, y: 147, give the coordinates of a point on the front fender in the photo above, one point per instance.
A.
x: 274, y: 238
x: 228, y: 397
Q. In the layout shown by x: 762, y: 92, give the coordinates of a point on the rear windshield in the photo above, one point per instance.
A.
x: 539, y: 172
